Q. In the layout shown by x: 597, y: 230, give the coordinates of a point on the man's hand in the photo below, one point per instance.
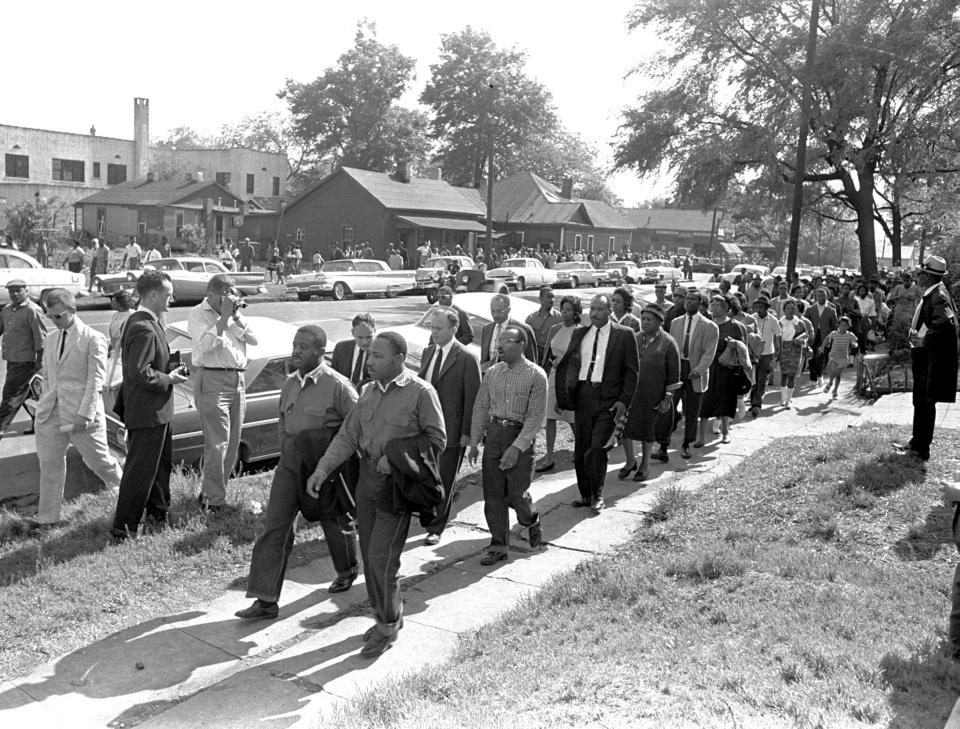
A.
x: 83, y: 424
x: 227, y: 309
x: 618, y: 409
x: 486, y: 365
x: 951, y: 492
x: 383, y: 466
x: 509, y: 458
x: 315, y: 482
x: 176, y: 378
x: 473, y: 454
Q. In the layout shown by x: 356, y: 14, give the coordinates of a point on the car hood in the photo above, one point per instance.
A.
x: 505, y: 271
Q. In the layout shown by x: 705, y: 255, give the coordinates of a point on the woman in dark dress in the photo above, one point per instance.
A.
x: 720, y: 399
x: 651, y: 412
x: 621, y: 312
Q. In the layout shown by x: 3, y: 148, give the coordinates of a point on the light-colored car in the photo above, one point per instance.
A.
x: 576, y: 273
x: 615, y: 273
x: 441, y: 271
x: 15, y: 264
x: 523, y: 273
x: 351, y: 277
x: 477, y: 308
x: 742, y: 268
x: 659, y: 269
x: 188, y: 274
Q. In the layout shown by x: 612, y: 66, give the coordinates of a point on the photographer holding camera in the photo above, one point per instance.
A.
x: 220, y: 337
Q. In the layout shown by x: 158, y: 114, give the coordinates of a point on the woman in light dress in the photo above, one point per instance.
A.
x: 558, y: 341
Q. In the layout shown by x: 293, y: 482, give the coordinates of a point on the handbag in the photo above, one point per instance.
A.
x: 729, y: 359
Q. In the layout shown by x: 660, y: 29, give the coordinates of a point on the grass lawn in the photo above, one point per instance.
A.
x: 808, y: 588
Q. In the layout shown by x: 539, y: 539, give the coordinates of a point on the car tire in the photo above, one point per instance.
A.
x: 574, y: 282
x: 504, y: 289
x: 521, y: 284
x: 302, y: 296
x: 340, y: 291
x: 389, y: 294
x: 431, y: 297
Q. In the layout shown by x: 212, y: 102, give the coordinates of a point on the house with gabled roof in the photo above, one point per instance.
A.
x: 679, y: 231
x: 529, y: 211
x: 151, y: 209
x: 354, y: 207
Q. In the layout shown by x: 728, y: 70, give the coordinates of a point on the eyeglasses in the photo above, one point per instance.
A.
x: 58, y: 317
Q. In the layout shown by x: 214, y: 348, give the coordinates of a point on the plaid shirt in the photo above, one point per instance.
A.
x: 518, y: 393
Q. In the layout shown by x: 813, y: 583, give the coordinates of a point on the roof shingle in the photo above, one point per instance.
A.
x: 528, y: 198
x: 142, y: 192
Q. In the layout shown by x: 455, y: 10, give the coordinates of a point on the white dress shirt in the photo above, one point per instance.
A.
x: 213, y: 349
x: 495, y: 341
x: 445, y: 350
x: 586, y: 351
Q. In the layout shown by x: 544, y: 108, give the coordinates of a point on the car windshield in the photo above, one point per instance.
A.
x: 520, y: 262
x: 167, y: 264
x: 655, y: 263
x: 438, y: 263
x: 615, y: 265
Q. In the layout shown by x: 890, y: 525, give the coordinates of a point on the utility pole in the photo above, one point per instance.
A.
x: 490, y: 122
x: 801, y: 167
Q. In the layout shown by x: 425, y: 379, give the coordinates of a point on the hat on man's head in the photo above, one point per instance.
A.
x: 762, y: 300
x: 655, y: 310
x: 94, y: 241
x: 16, y: 283
x: 934, y: 265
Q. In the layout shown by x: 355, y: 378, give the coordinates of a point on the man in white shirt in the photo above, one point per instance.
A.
x: 770, y: 332
x: 132, y: 255
x: 152, y: 255
x: 220, y: 336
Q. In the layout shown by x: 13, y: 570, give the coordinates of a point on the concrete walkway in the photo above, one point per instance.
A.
x: 204, y: 667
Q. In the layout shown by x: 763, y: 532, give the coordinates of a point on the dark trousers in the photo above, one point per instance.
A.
x: 382, y: 536
x: 691, y: 404
x: 503, y: 490
x: 146, y: 479
x: 953, y: 633
x: 14, y: 390
x: 817, y: 361
x: 592, y: 427
x: 271, y: 552
x: 449, y: 460
x: 924, y: 409
x: 764, y: 368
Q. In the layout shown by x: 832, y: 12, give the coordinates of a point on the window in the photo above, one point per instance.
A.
x: 101, y: 220
x: 149, y: 218
x: 347, y: 235
x: 590, y: 242
x: 276, y: 187
x: 223, y: 178
x: 211, y: 267
x: 271, y: 377
x: 179, y: 225
x: 68, y: 170
x: 577, y: 242
x: 115, y: 174
x: 14, y: 262
x: 611, y: 243
x: 249, y: 184
x: 371, y: 267
x: 96, y: 170
x: 299, y: 235
x: 520, y: 236
x: 18, y: 165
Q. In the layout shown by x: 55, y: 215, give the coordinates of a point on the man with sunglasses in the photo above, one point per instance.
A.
x: 23, y: 330
x: 70, y: 410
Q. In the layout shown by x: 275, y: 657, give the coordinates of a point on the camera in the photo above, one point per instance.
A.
x: 238, y: 303
x: 176, y: 365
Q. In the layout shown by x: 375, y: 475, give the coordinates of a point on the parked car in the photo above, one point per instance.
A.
x: 705, y: 265
x: 188, y: 274
x: 15, y: 264
x: 477, y: 308
x: 743, y: 268
x: 523, y: 273
x: 357, y: 277
x: 660, y: 269
x: 576, y: 273
x: 440, y: 271
x: 615, y: 273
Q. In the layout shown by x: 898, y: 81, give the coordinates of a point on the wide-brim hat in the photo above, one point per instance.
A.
x: 17, y: 283
x: 762, y: 300
x: 934, y: 265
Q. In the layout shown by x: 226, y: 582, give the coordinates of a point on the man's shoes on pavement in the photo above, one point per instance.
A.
x: 544, y: 467
x: 662, y: 456
x: 597, y: 506
x: 432, y: 539
x: 260, y: 610
x: 342, y: 583
x: 535, y: 534
x: 581, y: 502
x: 755, y: 412
x: 492, y: 558
x: 378, y: 644
x: 368, y: 634
x: 684, y: 451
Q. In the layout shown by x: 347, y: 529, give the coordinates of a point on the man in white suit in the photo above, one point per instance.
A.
x: 70, y: 409
x: 697, y: 338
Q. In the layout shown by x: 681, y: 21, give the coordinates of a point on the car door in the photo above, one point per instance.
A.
x: 260, y: 435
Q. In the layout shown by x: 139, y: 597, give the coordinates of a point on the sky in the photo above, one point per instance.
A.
x: 205, y: 64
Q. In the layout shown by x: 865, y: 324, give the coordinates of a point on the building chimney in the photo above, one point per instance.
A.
x: 141, y: 136
x: 403, y: 170
x: 567, y: 189
x: 93, y: 131
x: 199, y: 176
x: 439, y: 172
x: 151, y: 176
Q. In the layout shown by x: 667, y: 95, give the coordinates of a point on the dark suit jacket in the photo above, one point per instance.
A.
x: 342, y: 360
x: 935, y: 363
x: 530, y: 351
x: 457, y: 388
x: 464, y: 331
x: 620, y: 369
x: 414, y: 484
x: 147, y: 402
x: 822, y: 325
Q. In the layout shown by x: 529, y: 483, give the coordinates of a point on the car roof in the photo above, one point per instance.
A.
x: 477, y: 303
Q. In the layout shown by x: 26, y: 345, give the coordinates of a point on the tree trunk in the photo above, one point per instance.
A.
x: 865, y: 229
x: 896, y: 237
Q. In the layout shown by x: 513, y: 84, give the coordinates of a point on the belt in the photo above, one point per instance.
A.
x: 506, y: 423
x: 223, y: 369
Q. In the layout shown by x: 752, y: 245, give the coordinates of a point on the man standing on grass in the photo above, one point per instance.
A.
x: 314, y: 402
x: 933, y: 352
x: 396, y: 405
x: 509, y: 412
x: 23, y: 330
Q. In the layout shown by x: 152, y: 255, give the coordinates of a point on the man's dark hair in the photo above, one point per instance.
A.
x: 364, y: 318
x: 545, y: 290
x: 520, y: 334
x: 397, y: 342
x: 220, y: 284
x: 315, y: 331
x: 151, y: 280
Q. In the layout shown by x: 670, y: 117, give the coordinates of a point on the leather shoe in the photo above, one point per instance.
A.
x: 662, y: 456
x: 597, y: 506
x: 342, y: 584
x: 368, y: 634
x: 581, y: 502
x: 544, y: 467
x: 432, y: 539
x: 492, y: 558
x: 685, y: 452
x: 918, y: 455
x: 260, y: 610
x: 627, y: 470
x: 899, y: 446
x: 378, y: 644
x: 535, y: 535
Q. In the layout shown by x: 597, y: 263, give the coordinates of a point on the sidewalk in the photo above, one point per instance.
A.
x: 203, y: 667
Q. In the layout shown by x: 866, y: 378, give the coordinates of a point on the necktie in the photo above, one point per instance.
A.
x: 357, y: 375
x: 495, y: 344
x: 437, y: 361
x: 63, y: 342
x: 593, y: 355
x: 686, y: 338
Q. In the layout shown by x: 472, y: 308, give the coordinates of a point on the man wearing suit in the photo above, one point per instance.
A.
x: 490, y: 335
x: 824, y: 319
x: 602, y: 360
x: 455, y: 375
x: 146, y: 401
x: 933, y: 352
x: 70, y: 410
x: 350, y: 357
x: 464, y: 330
x: 697, y: 338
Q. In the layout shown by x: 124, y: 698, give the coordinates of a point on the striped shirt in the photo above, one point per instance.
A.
x: 840, y: 345
x: 516, y: 393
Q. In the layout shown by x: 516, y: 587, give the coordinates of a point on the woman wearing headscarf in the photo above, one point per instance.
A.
x: 558, y: 341
x: 720, y: 399
x: 793, y: 345
x: 651, y: 413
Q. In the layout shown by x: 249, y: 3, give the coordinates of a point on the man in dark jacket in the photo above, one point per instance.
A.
x: 933, y: 336
x: 490, y: 334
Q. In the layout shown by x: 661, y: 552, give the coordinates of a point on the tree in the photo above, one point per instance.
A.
x: 478, y: 91
x: 184, y: 137
x: 195, y: 237
x: 268, y: 131
x: 885, y: 79
x: 347, y: 115
x: 29, y: 220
